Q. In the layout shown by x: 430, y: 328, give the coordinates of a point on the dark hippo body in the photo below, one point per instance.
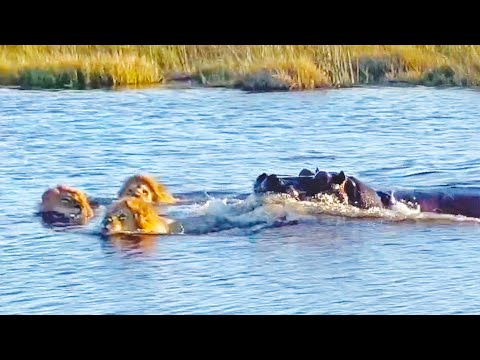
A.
x: 308, y: 184
x: 444, y: 201
x: 304, y: 186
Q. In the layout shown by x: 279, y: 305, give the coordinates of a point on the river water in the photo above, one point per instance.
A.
x: 235, y: 257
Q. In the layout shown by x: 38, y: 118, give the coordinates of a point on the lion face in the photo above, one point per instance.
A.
x: 133, y: 215
x: 139, y: 189
x: 67, y: 203
x: 119, y: 219
x: 146, y: 188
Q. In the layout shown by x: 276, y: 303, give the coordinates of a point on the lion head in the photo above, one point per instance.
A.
x: 66, y: 205
x: 147, y: 188
x: 134, y: 215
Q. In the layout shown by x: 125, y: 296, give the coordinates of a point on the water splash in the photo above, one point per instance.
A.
x: 219, y: 214
x: 330, y: 205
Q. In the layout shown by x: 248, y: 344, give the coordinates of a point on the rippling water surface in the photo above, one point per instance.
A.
x: 207, y: 146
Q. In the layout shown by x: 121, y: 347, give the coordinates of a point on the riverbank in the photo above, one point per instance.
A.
x: 252, y: 67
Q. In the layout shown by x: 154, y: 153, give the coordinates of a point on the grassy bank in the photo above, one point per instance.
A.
x: 255, y: 67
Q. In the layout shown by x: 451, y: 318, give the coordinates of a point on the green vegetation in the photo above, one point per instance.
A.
x: 252, y: 67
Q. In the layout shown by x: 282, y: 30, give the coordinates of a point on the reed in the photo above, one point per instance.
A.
x: 249, y: 67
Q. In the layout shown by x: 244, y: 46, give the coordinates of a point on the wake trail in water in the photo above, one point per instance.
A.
x: 330, y: 205
x: 205, y: 212
x: 212, y: 212
x: 256, y: 213
x: 250, y: 213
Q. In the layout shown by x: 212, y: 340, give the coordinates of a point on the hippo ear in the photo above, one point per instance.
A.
x: 340, y: 178
x: 316, y: 170
x: 258, y: 182
x: 305, y: 172
x: 261, y: 177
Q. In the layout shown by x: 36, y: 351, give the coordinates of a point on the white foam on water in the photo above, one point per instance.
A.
x: 329, y: 204
x: 258, y: 212
x: 228, y: 213
x: 251, y: 209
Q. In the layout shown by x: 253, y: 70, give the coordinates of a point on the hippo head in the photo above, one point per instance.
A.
x: 347, y: 189
x: 307, y: 184
x: 328, y: 183
x: 361, y: 195
x: 327, y: 180
x: 268, y: 183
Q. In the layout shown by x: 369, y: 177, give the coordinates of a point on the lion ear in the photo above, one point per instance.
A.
x: 130, y: 202
x: 139, y: 218
x: 156, y: 190
x: 122, y: 189
x: 88, y: 210
x: 125, y: 184
x: 162, y: 195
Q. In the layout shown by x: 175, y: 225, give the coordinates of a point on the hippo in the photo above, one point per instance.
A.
x: 307, y: 185
x: 441, y: 201
x: 302, y: 187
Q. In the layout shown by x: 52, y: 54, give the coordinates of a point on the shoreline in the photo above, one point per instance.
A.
x: 258, y: 68
x: 191, y: 86
x: 193, y: 83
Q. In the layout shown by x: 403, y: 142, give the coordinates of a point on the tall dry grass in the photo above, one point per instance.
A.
x: 253, y: 67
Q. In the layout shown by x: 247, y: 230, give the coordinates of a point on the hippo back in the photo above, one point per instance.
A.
x: 453, y: 202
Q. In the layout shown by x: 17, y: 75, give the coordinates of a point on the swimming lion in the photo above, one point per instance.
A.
x: 147, y: 188
x: 134, y: 215
x: 65, y: 205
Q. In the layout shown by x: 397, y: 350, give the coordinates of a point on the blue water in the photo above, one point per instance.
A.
x: 207, y: 146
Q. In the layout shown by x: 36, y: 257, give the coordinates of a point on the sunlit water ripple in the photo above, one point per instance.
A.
x: 207, y: 146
